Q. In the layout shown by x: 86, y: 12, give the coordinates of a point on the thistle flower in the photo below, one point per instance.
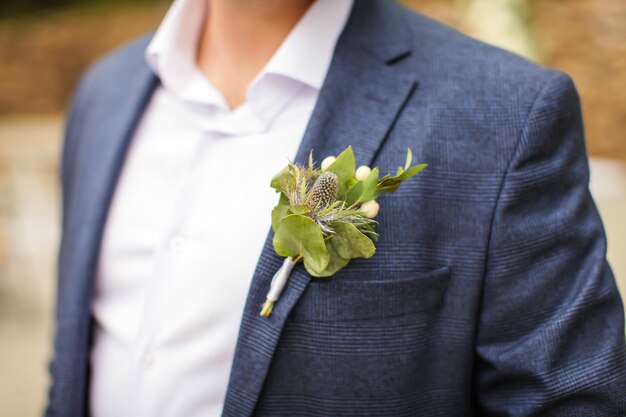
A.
x: 317, y: 191
x: 323, y: 193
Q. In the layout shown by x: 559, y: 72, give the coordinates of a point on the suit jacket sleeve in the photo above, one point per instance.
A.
x: 551, y: 329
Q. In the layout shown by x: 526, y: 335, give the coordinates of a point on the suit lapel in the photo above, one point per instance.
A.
x: 358, y: 105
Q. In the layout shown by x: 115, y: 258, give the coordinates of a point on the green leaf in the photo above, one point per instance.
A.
x: 302, y: 209
x: 347, y: 243
x: 281, y: 210
x: 414, y: 170
x: 370, y: 185
x: 365, y: 190
x: 389, y: 184
x: 281, y: 179
x: 344, y: 167
x: 388, y: 188
x: 299, y: 235
x: 350, y: 243
x: 335, y: 264
x: 409, y: 159
x: 354, y: 193
x: 368, y: 230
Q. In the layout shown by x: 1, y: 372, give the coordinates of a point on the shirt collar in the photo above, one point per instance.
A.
x: 307, y: 51
x: 301, y: 60
x: 304, y: 55
x: 172, y: 53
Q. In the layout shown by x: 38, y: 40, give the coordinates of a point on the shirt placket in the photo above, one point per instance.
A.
x: 172, y: 244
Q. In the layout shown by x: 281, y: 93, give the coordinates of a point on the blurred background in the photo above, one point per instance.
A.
x: 46, y: 44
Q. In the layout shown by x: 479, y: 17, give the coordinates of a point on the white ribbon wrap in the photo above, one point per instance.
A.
x: 280, y: 280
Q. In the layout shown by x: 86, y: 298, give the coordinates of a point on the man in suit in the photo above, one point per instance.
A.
x: 489, y: 293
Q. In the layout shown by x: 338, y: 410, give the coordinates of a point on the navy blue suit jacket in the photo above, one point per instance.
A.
x: 489, y: 294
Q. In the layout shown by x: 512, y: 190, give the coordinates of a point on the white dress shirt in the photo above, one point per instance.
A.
x: 190, y: 214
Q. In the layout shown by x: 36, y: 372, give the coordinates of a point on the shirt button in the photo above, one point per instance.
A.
x: 147, y: 359
x: 177, y: 244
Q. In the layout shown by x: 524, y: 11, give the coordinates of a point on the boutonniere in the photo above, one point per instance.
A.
x: 325, y: 216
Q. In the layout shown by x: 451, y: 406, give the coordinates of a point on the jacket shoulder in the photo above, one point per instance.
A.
x: 105, y: 85
x: 455, y: 55
x: 117, y: 68
x: 479, y: 97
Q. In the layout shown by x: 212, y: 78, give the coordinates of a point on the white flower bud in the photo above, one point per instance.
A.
x: 327, y: 161
x: 370, y: 208
x: 362, y: 172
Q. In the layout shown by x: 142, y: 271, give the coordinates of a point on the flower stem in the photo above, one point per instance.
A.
x: 267, y: 308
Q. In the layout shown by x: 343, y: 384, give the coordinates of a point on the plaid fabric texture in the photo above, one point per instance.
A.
x: 489, y: 294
